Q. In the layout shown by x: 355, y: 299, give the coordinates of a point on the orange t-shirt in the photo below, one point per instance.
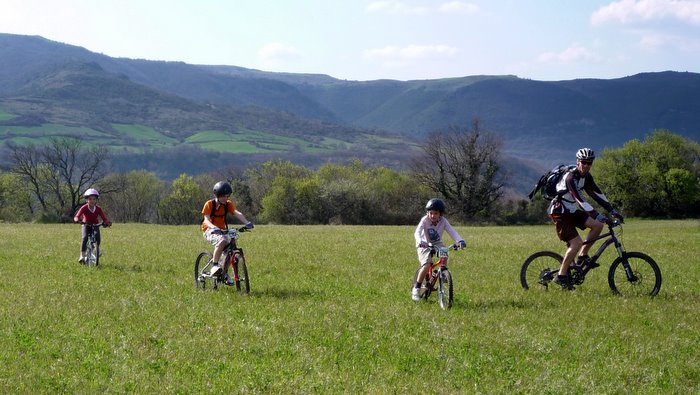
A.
x: 217, y: 218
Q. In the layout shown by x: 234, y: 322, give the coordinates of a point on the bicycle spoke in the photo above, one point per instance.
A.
x: 201, y: 267
x: 445, y: 289
x: 539, y: 270
x: 635, y: 274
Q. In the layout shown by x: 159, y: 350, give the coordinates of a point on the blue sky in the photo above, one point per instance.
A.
x: 376, y: 39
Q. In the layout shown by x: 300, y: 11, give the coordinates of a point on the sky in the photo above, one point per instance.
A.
x: 381, y: 39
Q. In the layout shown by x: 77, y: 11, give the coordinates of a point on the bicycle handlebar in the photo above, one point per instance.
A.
x: 226, y: 231
x: 94, y: 225
x: 454, y: 246
x: 614, y: 223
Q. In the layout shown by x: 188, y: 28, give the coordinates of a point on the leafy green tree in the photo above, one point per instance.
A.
x: 184, y: 203
x: 659, y: 177
x: 241, y: 190
x: 15, y: 199
x: 261, y: 179
x: 292, y: 201
x: 135, y: 196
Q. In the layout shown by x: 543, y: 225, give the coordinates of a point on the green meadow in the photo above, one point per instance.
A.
x: 330, y: 312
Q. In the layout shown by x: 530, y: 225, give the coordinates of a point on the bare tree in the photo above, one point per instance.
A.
x: 59, y: 172
x: 463, y: 167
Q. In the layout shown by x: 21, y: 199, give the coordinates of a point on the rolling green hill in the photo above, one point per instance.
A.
x: 83, y: 100
x: 49, y: 88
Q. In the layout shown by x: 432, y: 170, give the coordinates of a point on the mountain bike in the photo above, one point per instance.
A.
x: 235, y: 270
x: 92, y: 249
x: 440, y: 278
x: 631, y: 273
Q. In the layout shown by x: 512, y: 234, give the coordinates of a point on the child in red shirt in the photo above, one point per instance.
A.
x: 90, y: 214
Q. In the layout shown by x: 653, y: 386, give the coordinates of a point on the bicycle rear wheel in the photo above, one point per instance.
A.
x: 201, y: 265
x: 539, y: 270
x: 243, y: 282
x: 445, y: 289
x: 634, y: 273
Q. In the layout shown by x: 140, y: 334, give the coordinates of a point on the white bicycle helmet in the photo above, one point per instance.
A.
x: 91, y: 192
x: 585, y: 154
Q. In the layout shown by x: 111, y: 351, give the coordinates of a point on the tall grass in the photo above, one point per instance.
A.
x: 330, y: 312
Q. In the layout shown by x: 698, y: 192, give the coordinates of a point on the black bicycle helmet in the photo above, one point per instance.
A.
x: 222, y: 188
x: 585, y: 154
x: 435, y: 204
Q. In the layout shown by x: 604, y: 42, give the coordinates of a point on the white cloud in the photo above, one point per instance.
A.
x: 651, y: 40
x: 409, y: 52
x: 629, y: 11
x: 395, y: 7
x: 396, y: 58
x: 459, y: 7
x: 277, y: 51
x: 574, y: 53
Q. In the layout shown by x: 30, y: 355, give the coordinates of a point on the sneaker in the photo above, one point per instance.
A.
x: 415, y: 294
x: 214, y: 269
x: 564, y: 282
x: 228, y: 280
x: 81, y: 259
x: 586, y: 260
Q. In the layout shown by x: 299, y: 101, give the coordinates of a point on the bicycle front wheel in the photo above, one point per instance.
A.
x: 92, y: 254
x: 634, y: 273
x: 200, y: 265
x: 445, y: 289
x: 539, y: 270
x: 243, y: 282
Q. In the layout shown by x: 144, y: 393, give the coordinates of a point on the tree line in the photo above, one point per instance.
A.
x: 657, y: 177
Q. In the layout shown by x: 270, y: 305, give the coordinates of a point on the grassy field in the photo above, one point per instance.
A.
x: 330, y: 312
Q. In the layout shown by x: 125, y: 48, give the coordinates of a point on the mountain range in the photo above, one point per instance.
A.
x: 143, y: 108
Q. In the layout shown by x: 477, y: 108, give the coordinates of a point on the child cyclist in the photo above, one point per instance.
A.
x: 214, y: 213
x: 90, y: 214
x: 429, y: 230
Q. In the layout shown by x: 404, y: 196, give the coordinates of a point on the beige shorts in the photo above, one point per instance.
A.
x: 424, y: 254
x: 216, y: 240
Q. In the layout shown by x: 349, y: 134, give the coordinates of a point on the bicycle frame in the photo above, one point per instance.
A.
x: 230, y: 252
x: 611, y: 238
x: 440, y: 264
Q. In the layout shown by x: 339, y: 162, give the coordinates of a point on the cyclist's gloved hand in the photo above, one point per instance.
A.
x: 617, y: 215
x: 249, y: 225
x: 423, y: 244
x: 107, y: 224
x: 462, y: 244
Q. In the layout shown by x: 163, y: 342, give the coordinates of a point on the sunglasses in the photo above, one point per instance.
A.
x: 586, y: 162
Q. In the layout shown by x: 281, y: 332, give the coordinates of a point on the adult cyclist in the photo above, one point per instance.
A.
x: 569, y: 210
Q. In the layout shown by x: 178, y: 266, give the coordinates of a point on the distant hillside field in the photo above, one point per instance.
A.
x: 49, y: 88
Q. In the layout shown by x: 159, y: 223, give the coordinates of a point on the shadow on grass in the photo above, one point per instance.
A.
x: 279, y: 293
x: 502, y: 304
x: 124, y: 268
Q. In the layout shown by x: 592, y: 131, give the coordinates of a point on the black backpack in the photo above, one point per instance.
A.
x: 214, y: 203
x: 548, y: 182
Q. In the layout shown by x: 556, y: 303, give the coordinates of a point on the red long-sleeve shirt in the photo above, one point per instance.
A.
x: 92, y: 217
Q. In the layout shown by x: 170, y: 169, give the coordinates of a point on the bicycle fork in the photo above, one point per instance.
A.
x: 233, y: 261
x: 631, y: 277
